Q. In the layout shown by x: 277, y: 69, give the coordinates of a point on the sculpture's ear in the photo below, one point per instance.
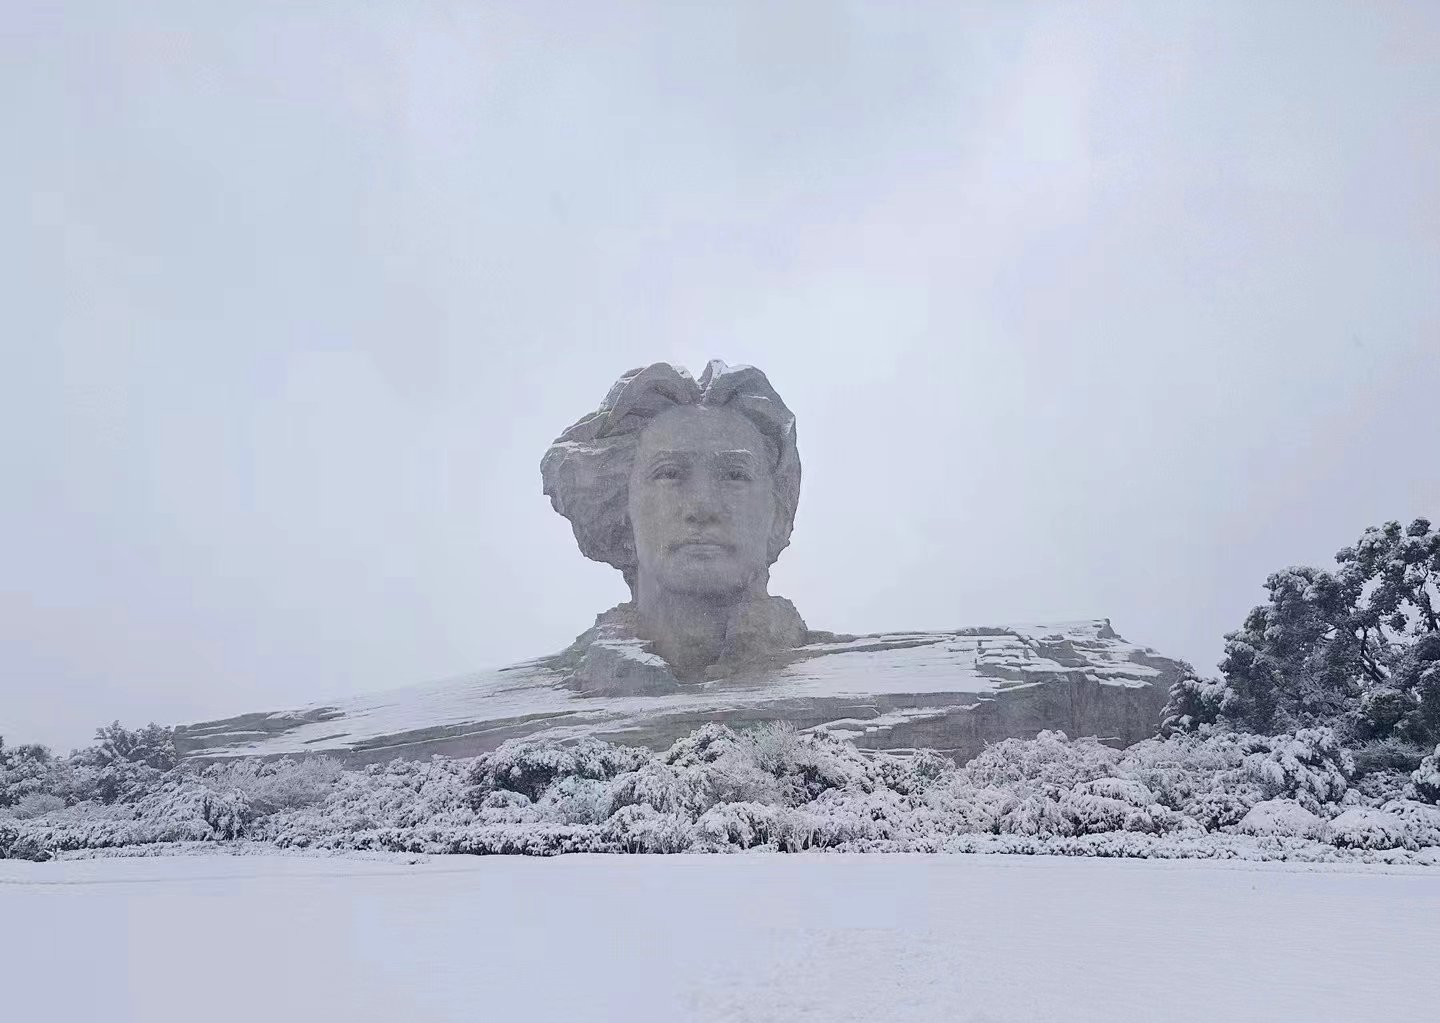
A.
x: 780, y: 529
x: 787, y: 496
x: 630, y: 568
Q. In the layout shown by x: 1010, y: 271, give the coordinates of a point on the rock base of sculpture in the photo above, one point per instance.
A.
x: 950, y: 691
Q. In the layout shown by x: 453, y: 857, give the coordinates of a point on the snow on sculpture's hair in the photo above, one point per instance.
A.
x: 586, y: 472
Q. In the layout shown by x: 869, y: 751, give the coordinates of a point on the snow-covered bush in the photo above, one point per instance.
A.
x: 965, y: 808
x: 187, y: 810
x: 1282, y: 818
x: 1050, y: 761
x: 1364, y: 827
x: 1205, y: 792
x: 1425, y: 782
x: 640, y: 828
x: 1037, y: 815
x: 1126, y: 790
x: 1391, y: 754
x: 665, y: 789
x: 806, y: 765
x: 1309, y: 766
x: 742, y: 826
x: 152, y: 746
x: 36, y: 804
x: 529, y: 766
x: 1193, y: 703
x: 82, y: 780
x: 1421, y: 819
x: 277, y: 784
x: 24, y: 771
x: 19, y: 843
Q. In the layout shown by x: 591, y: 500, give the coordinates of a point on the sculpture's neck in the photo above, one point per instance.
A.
x: 690, y: 630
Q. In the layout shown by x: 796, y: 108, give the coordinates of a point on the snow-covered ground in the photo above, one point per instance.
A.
x: 747, y: 937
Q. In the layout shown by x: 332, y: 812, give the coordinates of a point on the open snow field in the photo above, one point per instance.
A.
x: 747, y: 937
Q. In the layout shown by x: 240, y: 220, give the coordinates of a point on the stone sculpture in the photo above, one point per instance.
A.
x: 690, y: 490
x: 689, y: 487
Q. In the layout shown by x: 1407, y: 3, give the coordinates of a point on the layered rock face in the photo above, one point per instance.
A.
x: 951, y: 691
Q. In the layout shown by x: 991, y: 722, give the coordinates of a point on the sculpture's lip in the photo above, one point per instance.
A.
x: 697, y: 544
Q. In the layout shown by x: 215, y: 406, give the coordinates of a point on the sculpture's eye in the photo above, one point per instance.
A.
x: 666, y: 472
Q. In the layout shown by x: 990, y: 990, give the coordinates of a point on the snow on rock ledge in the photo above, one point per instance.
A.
x: 952, y: 691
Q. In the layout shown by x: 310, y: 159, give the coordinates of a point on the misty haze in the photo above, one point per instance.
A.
x: 436, y: 429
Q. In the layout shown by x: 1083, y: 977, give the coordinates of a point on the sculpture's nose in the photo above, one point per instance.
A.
x: 702, y: 501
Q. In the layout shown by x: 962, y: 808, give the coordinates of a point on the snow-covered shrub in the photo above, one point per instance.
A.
x: 772, y: 763
x: 1219, y: 807
x: 20, y: 843
x: 529, y: 766
x: 276, y: 784
x: 25, y: 771
x: 1422, y: 820
x: 1193, y: 703
x: 663, y: 788
x: 1391, y: 754
x: 964, y: 808
x: 860, y: 820
x: 1037, y: 815
x: 1281, y: 818
x: 1425, y: 782
x: 179, y: 811
x: 741, y: 826
x: 1379, y: 786
x: 123, y: 781
x: 1050, y: 761
x: 640, y: 828
x: 121, y: 767
x: 1158, y: 819
x: 152, y: 746
x: 1092, y: 814
x: 187, y: 810
x: 1197, y: 793
x: 914, y: 773
x: 569, y: 800
x: 1309, y: 766
x: 434, y: 798
x: 1364, y: 827
x: 36, y: 804
x: 808, y: 764
x: 1199, y: 776
x: 1126, y: 790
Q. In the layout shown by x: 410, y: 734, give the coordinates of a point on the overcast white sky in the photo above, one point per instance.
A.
x: 1084, y: 310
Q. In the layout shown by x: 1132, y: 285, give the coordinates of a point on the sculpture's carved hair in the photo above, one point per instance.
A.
x: 586, y: 472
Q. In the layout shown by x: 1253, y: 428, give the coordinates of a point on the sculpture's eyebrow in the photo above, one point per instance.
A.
x: 732, y: 457
x: 660, y: 456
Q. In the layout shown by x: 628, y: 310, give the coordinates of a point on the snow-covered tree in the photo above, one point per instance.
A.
x: 1426, y: 780
x: 1194, y: 701
x: 1356, y: 649
x: 25, y: 771
x: 152, y: 746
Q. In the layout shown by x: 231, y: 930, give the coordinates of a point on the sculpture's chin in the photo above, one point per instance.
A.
x: 708, y: 587
x: 706, y: 576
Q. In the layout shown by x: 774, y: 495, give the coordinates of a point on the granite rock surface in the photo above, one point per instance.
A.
x: 953, y: 691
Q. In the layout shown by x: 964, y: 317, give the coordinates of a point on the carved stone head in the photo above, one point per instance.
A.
x: 691, y: 484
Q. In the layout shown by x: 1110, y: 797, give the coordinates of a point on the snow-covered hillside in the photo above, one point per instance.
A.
x: 952, y: 691
x: 963, y: 939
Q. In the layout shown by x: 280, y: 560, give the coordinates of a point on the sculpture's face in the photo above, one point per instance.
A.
x: 701, y: 501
